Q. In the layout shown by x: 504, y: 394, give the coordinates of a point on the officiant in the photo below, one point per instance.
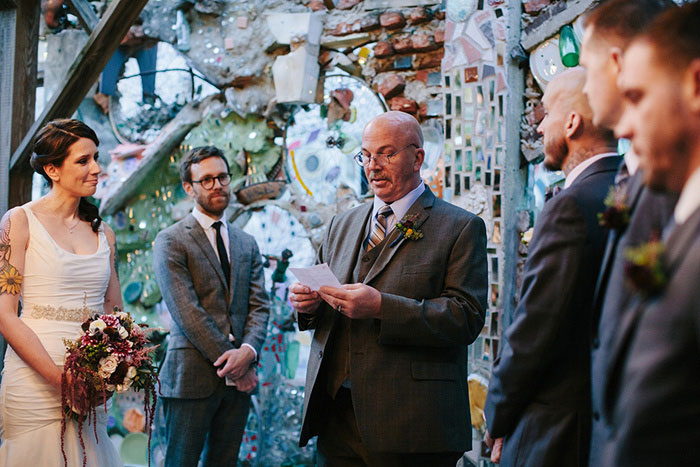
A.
x: 414, y: 297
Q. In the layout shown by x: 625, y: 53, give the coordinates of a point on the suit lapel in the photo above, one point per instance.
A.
x: 200, y: 238
x: 391, y: 244
x: 680, y: 240
x: 344, y: 268
x: 235, y: 258
x: 634, y: 189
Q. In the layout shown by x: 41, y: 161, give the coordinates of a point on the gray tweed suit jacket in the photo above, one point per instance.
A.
x: 408, y: 369
x: 203, y: 308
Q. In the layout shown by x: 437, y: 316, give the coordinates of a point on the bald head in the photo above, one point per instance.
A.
x: 403, y: 125
x: 566, y: 89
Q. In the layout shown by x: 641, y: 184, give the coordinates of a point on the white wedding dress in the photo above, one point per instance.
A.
x: 60, y: 290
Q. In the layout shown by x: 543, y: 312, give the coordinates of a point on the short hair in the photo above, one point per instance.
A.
x: 625, y: 19
x: 675, y: 36
x: 197, y: 155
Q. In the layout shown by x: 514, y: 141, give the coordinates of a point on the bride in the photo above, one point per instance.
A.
x: 59, y: 259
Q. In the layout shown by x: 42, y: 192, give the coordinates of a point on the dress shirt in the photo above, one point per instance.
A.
x: 207, y: 222
x: 689, y: 200
x: 399, y: 207
x: 578, y: 170
x: 631, y: 161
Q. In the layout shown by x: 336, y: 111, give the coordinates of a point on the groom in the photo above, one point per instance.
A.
x: 211, y: 277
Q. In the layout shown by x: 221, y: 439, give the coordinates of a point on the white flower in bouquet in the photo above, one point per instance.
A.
x: 107, y: 366
x: 126, y: 384
x: 123, y: 333
x: 121, y: 315
x: 131, y: 372
x: 110, y: 387
x: 97, y: 325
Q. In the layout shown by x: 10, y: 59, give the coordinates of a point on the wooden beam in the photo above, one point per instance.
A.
x: 86, y: 15
x: 17, y: 109
x: 86, y: 67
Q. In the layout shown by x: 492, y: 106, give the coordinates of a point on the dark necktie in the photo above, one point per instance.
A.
x: 221, y: 248
x: 622, y: 176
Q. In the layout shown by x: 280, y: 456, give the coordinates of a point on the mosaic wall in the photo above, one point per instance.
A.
x: 475, y: 96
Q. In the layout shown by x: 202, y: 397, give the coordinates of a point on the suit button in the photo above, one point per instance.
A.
x: 596, y: 343
x: 320, y: 354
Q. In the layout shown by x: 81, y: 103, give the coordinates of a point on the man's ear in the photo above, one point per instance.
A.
x: 189, y: 189
x: 418, y: 163
x: 692, y: 85
x: 574, y: 123
x: 616, y: 59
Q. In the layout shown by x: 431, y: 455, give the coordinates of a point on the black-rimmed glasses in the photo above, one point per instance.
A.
x: 363, y: 159
x: 209, y: 182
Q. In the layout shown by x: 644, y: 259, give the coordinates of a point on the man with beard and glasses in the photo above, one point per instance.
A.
x: 655, y: 418
x: 538, y: 404
x: 643, y: 212
x: 211, y: 277
x: 387, y: 377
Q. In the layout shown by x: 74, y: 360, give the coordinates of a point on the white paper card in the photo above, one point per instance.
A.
x: 315, y: 277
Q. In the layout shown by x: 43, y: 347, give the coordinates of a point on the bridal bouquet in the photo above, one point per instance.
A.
x: 111, y: 355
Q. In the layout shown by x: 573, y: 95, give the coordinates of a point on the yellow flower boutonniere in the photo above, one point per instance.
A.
x: 408, y: 230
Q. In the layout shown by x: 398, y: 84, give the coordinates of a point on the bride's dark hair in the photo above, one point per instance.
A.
x: 52, y: 145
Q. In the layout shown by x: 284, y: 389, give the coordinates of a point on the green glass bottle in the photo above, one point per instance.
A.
x: 568, y: 47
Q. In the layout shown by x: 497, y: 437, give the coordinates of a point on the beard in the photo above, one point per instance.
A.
x: 555, y: 153
x: 211, y: 203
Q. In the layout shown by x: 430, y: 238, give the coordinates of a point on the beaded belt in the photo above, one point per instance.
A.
x: 59, y: 313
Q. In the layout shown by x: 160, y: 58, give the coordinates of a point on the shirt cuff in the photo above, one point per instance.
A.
x: 251, y: 348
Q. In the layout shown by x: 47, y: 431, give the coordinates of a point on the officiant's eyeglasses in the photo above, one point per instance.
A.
x: 208, y: 182
x: 363, y: 158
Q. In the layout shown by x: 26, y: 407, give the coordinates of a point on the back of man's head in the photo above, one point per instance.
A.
x: 620, y: 21
x: 675, y: 37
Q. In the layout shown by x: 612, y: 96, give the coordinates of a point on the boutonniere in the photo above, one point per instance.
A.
x: 407, y: 229
x: 617, y: 213
x: 644, y: 267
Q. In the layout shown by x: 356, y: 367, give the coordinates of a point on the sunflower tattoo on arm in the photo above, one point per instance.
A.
x: 10, y: 278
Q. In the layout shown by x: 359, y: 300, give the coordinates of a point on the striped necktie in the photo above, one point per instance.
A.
x: 379, y: 228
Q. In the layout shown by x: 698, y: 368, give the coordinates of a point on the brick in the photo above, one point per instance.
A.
x: 422, y: 75
x: 369, y: 23
x: 439, y: 36
x: 343, y: 29
x: 317, y: 5
x: 346, y: 4
x: 533, y: 6
x: 419, y: 15
x: 423, y: 42
x: 391, y: 85
x: 404, y: 104
x: 324, y: 57
x: 428, y: 60
x: 383, y: 49
x: 392, y: 20
x: 402, y: 44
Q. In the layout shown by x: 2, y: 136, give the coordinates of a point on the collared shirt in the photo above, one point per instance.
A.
x: 399, y: 207
x: 689, y: 200
x: 631, y: 161
x: 207, y: 222
x: 578, y: 170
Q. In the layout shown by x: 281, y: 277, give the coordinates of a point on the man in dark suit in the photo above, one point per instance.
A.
x: 387, y: 377
x: 211, y: 277
x: 539, y: 394
x: 609, y: 30
x: 655, y: 420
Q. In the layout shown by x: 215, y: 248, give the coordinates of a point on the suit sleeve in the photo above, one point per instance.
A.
x: 258, y: 306
x: 456, y: 317
x: 549, y: 282
x: 175, y: 282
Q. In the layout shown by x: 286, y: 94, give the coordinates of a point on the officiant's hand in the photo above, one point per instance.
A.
x: 356, y: 301
x: 248, y: 382
x: 303, y: 299
x: 235, y: 362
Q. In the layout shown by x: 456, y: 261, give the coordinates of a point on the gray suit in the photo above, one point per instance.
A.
x: 408, y: 370
x: 656, y: 419
x: 539, y: 394
x: 205, y: 310
x: 650, y: 213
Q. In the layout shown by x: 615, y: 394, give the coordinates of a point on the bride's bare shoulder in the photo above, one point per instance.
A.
x: 14, y: 226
